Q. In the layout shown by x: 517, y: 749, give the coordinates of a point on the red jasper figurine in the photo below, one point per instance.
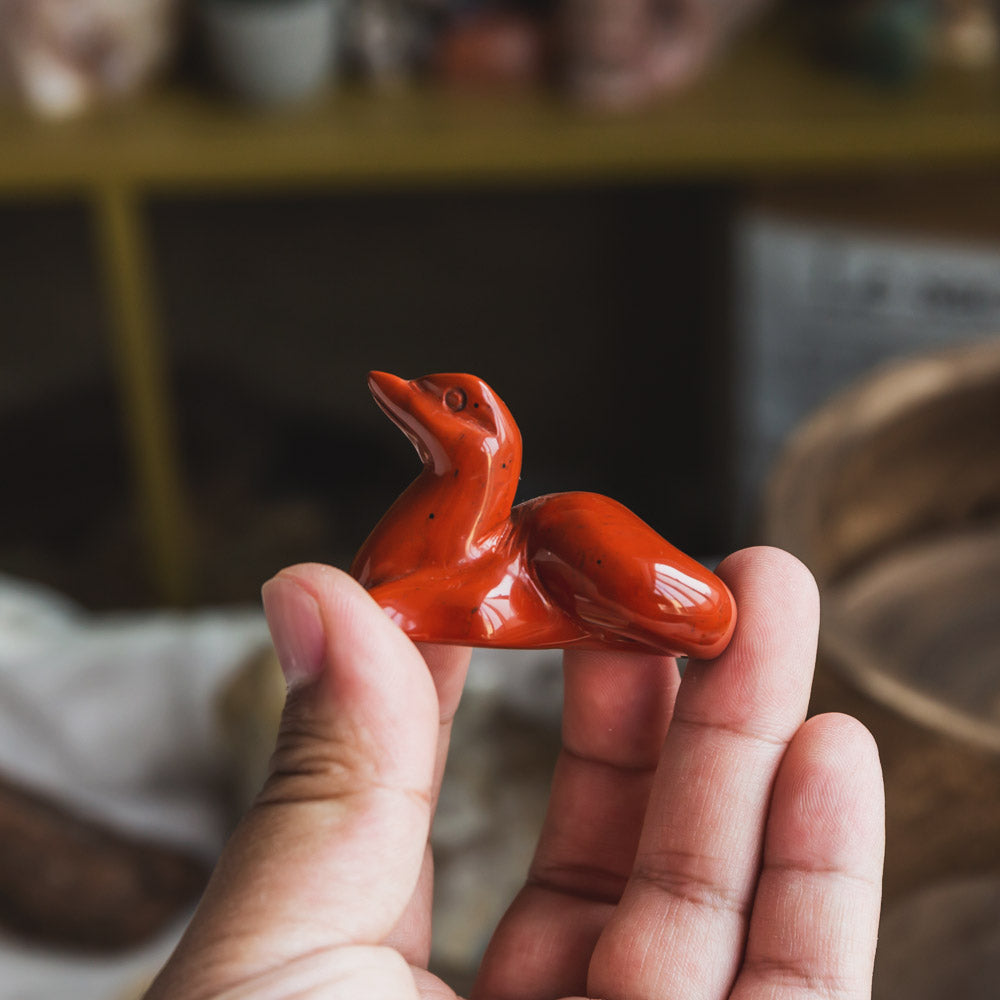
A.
x: 453, y: 561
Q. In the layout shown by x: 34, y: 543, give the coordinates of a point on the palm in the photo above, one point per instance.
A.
x: 700, y: 840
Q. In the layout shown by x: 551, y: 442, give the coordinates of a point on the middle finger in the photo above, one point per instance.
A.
x: 681, y: 925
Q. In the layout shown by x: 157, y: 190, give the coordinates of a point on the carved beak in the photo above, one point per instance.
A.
x: 392, y: 393
x: 406, y: 405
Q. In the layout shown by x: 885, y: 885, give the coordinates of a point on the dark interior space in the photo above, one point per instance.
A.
x: 596, y: 312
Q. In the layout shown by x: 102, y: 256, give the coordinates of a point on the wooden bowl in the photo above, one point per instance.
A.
x: 891, y: 495
x: 941, y: 942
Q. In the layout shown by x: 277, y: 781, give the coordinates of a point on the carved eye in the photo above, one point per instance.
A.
x: 455, y: 399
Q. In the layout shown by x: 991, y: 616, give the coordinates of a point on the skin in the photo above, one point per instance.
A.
x: 703, y: 841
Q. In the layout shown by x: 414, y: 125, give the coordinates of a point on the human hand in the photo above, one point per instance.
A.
x: 702, y: 841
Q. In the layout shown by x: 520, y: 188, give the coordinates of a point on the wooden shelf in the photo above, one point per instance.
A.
x: 763, y: 112
x: 763, y: 115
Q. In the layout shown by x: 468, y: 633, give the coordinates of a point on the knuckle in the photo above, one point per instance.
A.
x: 683, y: 879
x: 790, y: 973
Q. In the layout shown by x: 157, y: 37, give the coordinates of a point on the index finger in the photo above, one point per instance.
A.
x: 617, y: 707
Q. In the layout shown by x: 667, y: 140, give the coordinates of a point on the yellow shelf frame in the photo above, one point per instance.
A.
x: 762, y: 114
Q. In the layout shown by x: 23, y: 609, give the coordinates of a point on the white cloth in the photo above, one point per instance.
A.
x: 114, y: 715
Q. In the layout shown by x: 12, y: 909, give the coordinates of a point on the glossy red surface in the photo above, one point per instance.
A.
x: 454, y: 561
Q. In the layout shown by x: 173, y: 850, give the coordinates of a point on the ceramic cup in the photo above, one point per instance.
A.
x: 271, y: 52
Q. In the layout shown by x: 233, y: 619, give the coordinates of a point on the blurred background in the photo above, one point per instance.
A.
x: 736, y: 264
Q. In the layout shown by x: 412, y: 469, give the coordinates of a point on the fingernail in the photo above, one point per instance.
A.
x: 296, y: 629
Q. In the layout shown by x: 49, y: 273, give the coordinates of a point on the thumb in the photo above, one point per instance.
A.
x: 331, y: 851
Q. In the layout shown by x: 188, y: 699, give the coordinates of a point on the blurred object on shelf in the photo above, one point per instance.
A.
x: 63, y: 56
x: 492, y: 49
x: 894, y: 42
x: 941, y: 942
x: 967, y: 34
x: 271, y: 52
x: 891, y: 495
x: 387, y: 42
x: 618, y: 53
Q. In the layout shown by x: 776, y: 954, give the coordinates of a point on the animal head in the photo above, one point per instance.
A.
x: 449, y: 418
